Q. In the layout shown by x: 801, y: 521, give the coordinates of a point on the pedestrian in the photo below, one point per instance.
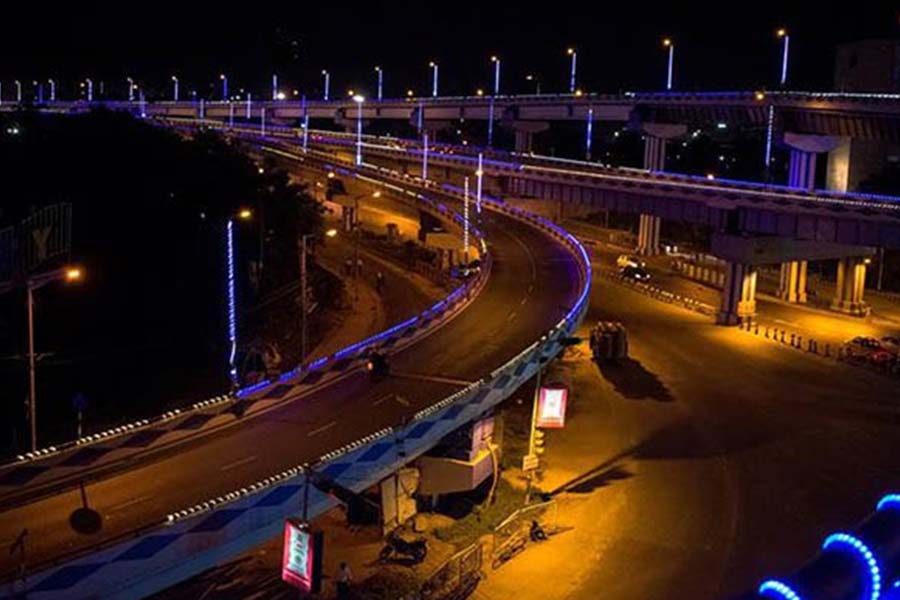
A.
x: 379, y: 281
x: 348, y: 267
x: 359, y: 266
x: 344, y: 579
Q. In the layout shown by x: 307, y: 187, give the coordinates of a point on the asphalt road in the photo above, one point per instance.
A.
x: 708, y: 462
x: 532, y: 277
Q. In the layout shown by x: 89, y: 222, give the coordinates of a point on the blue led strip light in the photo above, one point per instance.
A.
x: 867, y: 558
x: 889, y: 501
x: 778, y: 590
x: 232, y: 310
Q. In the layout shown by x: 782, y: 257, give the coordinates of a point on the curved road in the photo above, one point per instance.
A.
x: 532, y: 278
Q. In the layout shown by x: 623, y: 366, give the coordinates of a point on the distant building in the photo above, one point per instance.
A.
x: 868, y: 66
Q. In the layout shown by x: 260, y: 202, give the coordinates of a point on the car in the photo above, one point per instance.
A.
x: 635, y: 273
x: 891, y: 343
x: 868, y: 349
x: 629, y: 260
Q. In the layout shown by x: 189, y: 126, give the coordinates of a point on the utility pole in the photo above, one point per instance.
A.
x: 532, y: 432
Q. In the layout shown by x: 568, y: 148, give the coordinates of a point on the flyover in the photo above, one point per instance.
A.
x: 158, y: 526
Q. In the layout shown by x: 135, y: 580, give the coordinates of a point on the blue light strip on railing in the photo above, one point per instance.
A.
x: 889, y: 501
x: 846, y: 541
x: 232, y: 304
x: 778, y: 590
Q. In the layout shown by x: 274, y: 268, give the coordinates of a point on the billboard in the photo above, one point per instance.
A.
x: 552, y: 407
x: 301, y: 561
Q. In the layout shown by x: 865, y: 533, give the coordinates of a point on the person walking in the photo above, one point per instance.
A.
x: 379, y: 281
x: 344, y: 579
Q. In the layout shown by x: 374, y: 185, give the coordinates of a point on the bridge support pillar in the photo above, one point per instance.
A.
x: 738, y: 295
x: 648, y: 235
x: 524, y: 141
x: 851, y: 283
x: 804, y: 152
x: 656, y: 135
x: 792, y: 287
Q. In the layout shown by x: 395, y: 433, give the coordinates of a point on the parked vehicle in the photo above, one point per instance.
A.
x: 635, y: 273
x: 609, y: 341
x: 395, y: 545
x: 868, y: 350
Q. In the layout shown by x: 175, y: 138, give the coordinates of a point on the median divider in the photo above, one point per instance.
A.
x: 193, y: 539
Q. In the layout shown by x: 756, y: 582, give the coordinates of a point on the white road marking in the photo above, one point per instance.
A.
x: 132, y: 502
x: 511, y: 316
x: 381, y: 400
x: 524, y: 300
x: 238, y: 463
x: 321, y: 429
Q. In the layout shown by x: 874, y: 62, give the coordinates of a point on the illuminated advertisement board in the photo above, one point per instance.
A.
x: 301, y: 563
x: 552, y: 407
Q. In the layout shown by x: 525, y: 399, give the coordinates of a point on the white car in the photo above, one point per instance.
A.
x: 627, y: 260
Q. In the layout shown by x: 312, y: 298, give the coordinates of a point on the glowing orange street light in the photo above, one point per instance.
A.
x: 244, y: 214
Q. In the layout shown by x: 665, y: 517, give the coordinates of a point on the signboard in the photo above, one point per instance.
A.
x: 301, y: 562
x: 552, y: 407
x: 41, y: 237
x: 530, y: 462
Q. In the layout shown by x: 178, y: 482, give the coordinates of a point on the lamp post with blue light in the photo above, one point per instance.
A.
x: 18, y: 91
x: 359, y: 103
x: 130, y: 83
x: 670, y: 45
x: 571, y: 52
x: 786, y: 48
x: 434, y: 79
x: 224, y: 79
x: 174, y: 88
x: 90, y: 89
x: 380, y: 75
x: 496, y: 60
x: 52, y: 90
x: 327, y: 76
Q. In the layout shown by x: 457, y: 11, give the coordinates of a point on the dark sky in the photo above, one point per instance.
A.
x: 727, y: 45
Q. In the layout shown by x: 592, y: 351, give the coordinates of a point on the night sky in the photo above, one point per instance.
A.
x: 728, y: 45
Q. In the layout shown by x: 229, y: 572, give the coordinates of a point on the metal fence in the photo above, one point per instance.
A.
x: 458, y: 576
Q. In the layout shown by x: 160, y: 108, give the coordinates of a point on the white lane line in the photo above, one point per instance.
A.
x: 381, y: 400
x: 524, y: 300
x: 132, y: 502
x: 401, y: 400
x: 511, y: 316
x: 321, y: 429
x: 238, y: 463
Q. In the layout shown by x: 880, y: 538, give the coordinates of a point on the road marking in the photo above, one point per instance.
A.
x: 524, y: 300
x: 401, y: 400
x: 132, y: 502
x: 322, y: 429
x: 381, y: 399
x: 511, y: 316
x: 238, y: 463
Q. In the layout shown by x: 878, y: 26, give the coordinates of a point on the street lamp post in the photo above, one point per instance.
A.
x: 380, y: 81
x: 359, y: 103
x: 668, y: 43
x: 434, y: 79
x: 496, y: 61
x: 588, y: 134
x: 39, y: 91
x: 537, y: 83
x: 18, y: 91
x: 130, y: 82
x: 327, y: 77
x: 571, y: 52
x: 52, y: 90
x: 224, y: 79
x: 90, y: 90
x: 174, y: 88
x: 786, y: 48
x: 274, y: 86
x: 71, y: 274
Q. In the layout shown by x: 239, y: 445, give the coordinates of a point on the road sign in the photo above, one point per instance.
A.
x: 552, y: 407
x: 530, y: 462
x: 301, y: 564
x: 46, y: 234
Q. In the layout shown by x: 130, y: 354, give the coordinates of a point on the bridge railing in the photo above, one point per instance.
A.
x: 198, y: 537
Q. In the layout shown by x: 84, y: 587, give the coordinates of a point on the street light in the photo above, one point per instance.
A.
x: 537, y: 84
x: 380, y: 81
x: 224, y: 79
x: 90, y: 90
x: 275, y: 87
x: 327, y: 77
x: 783, y: 34
x: 359, y: 102
x: 496, y: 61
x: 174, y: 88
x: 71, y: 274
x: 52, y: 90
x: 18, y: 91
x: 571, y: 52
x: 130, y: 82
x: 434, y: 79
x: 668, y: 43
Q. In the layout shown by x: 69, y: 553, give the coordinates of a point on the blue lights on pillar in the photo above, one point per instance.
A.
x: 770, y: 130
x: 778, y: 590
x: 890, y: 501
x: 847, y: 542
x: 232, y: 305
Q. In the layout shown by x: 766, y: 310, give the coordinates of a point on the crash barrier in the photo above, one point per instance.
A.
x: 196, y: 538
x: 711, y: 275
x: 660, y: 294
x: 456, y: 577
x: 518, y: 524
x: 854, y: 565
x: 887, y: 365
x: 224, y: 410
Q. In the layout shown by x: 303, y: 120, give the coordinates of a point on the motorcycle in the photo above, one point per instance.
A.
x: 395, y: 545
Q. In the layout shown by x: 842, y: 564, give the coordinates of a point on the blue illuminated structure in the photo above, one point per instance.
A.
x: 890, y: 501
x: 778, y: 590
x: 847, y: 542
x: 274, y: 87
x: 232, y: 304
x: 224, y: 79
x: 380, y: 81
x: 574, y: 55
x: 490, y: 138
x: 588, y: 134
x: 327, y: 77
x: 496, y: 61
x: 434, y: 79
